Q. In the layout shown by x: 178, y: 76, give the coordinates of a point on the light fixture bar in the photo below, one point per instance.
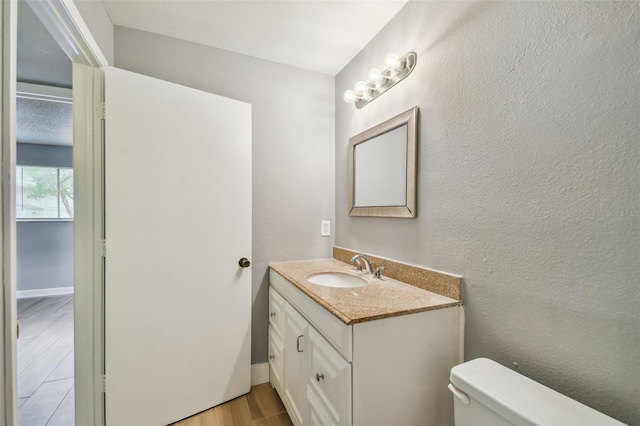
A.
x: 391, y: 76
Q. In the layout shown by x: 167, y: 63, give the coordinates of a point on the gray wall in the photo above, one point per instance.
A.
x: 528, y: 181
x: 45, y: 255
x: 45, y: 248
x: 39, y: 57
x: 293, y: 146
x: 95, y: 16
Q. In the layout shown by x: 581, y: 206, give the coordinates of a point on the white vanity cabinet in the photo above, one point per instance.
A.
x: 295, y: 355
x: 276, y: 339
x: 391, y: 371
x: 329, y: 383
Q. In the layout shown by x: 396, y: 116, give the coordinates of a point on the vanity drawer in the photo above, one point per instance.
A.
x: 276, y: 313
x: 335, y: 331
x: 276, y: 361
x: 318, y: 415
x: 329, y: 383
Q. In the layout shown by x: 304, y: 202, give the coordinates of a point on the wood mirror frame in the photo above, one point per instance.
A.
x: 408, y: 210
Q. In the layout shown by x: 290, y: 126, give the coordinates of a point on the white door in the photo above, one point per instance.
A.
x: 178, y: 219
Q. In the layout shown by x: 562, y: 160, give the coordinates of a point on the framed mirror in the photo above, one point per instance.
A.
x: 382, y: 168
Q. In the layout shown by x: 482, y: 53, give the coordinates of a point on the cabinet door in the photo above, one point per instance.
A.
x: 276, y: 313
x: 276, y: 360
x: 295, y: 351
x: 328, y: 383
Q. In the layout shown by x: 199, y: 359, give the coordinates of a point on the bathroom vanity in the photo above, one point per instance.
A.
x: 379, y: 353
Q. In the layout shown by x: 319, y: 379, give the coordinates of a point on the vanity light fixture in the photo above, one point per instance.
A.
x: 395, y: 70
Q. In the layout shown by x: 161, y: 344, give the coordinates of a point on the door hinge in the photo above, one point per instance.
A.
x: 104, y: 383
x: 102, y: 111
x: 103, y: 248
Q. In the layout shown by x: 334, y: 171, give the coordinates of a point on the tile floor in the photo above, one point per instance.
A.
x: 45, y: 361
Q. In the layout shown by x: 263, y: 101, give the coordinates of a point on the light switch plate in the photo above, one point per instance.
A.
x: 325, y: 228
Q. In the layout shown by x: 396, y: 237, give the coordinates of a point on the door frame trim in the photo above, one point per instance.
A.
x: 8, y: 315
x: 88, y: 247
x: 63, y: 20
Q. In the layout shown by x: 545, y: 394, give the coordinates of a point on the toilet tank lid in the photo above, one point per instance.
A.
x: 520, y: 399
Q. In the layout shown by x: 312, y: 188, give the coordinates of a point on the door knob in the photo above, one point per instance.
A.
x: 244, y: 262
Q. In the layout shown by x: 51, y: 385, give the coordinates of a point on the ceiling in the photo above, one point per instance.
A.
x: 321, y: 36
x: 317, y: 35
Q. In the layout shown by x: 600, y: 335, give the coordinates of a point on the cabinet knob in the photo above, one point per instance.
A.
x: 272, y: 314
x: 319, y: 376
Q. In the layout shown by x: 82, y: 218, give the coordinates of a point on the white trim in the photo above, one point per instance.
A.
x: 62, y: 219
x: 44, y: 93
x: 43, y: 89
x: 88, y: 237
x: 259, y: 373
x: 8, y: 317
x: 43, y: 292
x: 63, y: 20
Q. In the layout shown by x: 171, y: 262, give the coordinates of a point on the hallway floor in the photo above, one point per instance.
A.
x: 45, y: 361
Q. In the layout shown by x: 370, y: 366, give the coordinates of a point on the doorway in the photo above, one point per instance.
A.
x: 44, y: 226
x: 65, y: 25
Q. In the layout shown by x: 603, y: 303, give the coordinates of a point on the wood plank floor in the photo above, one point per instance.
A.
x: 46, y: 369
x: 45, y: 361
x: 261, y: 407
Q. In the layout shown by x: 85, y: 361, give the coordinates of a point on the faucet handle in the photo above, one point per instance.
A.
x: 376, y: 273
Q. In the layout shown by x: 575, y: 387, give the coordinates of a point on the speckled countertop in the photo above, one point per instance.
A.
x: 380, y: 298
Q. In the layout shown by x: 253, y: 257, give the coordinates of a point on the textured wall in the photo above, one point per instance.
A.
x: 45, y: 248
x: 293, y: 146
x: 528, y: 181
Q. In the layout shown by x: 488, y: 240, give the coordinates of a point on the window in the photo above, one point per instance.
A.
x: 44, y: 192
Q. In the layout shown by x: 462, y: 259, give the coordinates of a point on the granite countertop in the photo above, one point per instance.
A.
x: 380, y: 298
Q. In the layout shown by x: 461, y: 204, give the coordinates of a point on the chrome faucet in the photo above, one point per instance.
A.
x: 367, y: 263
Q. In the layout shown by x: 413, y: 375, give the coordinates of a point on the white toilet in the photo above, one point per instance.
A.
x: 487, y: 393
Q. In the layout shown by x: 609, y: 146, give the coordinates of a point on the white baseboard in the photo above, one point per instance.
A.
x: 259, y: 373
x: 41, y: 292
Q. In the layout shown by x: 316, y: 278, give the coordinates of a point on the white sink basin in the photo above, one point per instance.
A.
x: 336, y: 279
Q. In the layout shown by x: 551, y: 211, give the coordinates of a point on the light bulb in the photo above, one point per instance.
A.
x: 349, y: 96
x: 361, y: 88
x: 391, y: 61
x: 375, y: 76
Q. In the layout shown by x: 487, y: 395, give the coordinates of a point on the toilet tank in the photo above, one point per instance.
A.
x: 487, y: 393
